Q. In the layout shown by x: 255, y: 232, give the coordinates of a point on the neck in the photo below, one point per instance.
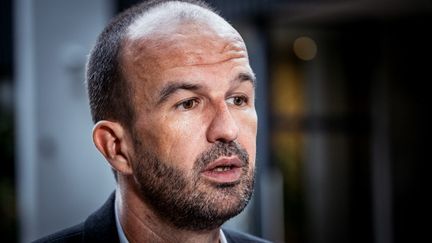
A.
x: 141, y: 224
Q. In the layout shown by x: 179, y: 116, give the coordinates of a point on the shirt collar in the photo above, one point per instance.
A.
x: 222, y: 238
x: 122, y: 236
x: 120, y: 232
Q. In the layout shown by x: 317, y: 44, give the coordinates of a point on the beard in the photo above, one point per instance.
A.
x: 186, y: 200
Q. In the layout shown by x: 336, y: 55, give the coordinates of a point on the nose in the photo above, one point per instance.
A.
x: 223, y: 127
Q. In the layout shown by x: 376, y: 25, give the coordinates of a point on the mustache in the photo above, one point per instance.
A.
x: 221, y: 149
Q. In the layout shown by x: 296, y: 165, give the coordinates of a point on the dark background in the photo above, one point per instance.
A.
x: 380, y: 53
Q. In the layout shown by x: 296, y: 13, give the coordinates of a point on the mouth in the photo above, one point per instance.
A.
x: 224, y: 170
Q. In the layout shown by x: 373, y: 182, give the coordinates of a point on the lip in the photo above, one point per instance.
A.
x: 233, y: 170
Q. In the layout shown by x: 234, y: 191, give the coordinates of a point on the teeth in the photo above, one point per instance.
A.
x: 223, y: 168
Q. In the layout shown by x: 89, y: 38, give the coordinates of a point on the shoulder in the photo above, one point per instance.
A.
x: 233, y: 236
x: 98, y: 227
x: 72, y: 234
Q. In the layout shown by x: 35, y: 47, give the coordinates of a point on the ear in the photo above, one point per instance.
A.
x: 111, y: 140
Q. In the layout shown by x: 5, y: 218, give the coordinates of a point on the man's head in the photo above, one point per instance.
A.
x: 174, y: 111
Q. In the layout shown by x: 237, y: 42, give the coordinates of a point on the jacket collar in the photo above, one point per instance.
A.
x: 101, y: 226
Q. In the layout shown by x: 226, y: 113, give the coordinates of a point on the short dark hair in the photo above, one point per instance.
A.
x: 109, y: 94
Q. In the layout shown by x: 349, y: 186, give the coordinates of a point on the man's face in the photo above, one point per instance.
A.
x: 195, y: 127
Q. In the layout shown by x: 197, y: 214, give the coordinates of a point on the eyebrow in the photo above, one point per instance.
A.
x: 174, y: 86
x: 246, y: 77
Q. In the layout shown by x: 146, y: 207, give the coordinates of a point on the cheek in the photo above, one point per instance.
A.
x: 248, y: 132
x: 176, y: 141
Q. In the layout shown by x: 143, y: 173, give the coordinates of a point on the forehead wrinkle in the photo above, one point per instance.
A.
x: 184, y: 51
x: 198, y: 60
x: 236, y: 43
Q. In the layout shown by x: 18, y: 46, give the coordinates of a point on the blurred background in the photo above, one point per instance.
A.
x: 341, y: 98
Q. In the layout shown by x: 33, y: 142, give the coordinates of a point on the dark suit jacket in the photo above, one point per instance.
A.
x: 101, y: 227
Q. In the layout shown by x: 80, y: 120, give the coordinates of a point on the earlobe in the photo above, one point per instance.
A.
x: 110, y: 139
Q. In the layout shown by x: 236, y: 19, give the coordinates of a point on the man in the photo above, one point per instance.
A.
x: 172, y: 97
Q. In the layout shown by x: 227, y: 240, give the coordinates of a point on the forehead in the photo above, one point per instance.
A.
x: 172, y: 41
x: 177, y: 29
x: 151, y: 55
x: 187, y: 46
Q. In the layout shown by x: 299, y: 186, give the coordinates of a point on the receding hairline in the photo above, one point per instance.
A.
x: 169, y: 15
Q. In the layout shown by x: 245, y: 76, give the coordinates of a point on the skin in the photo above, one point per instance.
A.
x: 210, y: 99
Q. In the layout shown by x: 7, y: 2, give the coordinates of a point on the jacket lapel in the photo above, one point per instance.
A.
x: 101, y: 226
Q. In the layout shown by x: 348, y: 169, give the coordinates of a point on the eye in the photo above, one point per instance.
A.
x: 238, y: 100
x: 187, y: 104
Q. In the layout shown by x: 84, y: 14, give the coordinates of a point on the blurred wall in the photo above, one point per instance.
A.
x: 61, y: 177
